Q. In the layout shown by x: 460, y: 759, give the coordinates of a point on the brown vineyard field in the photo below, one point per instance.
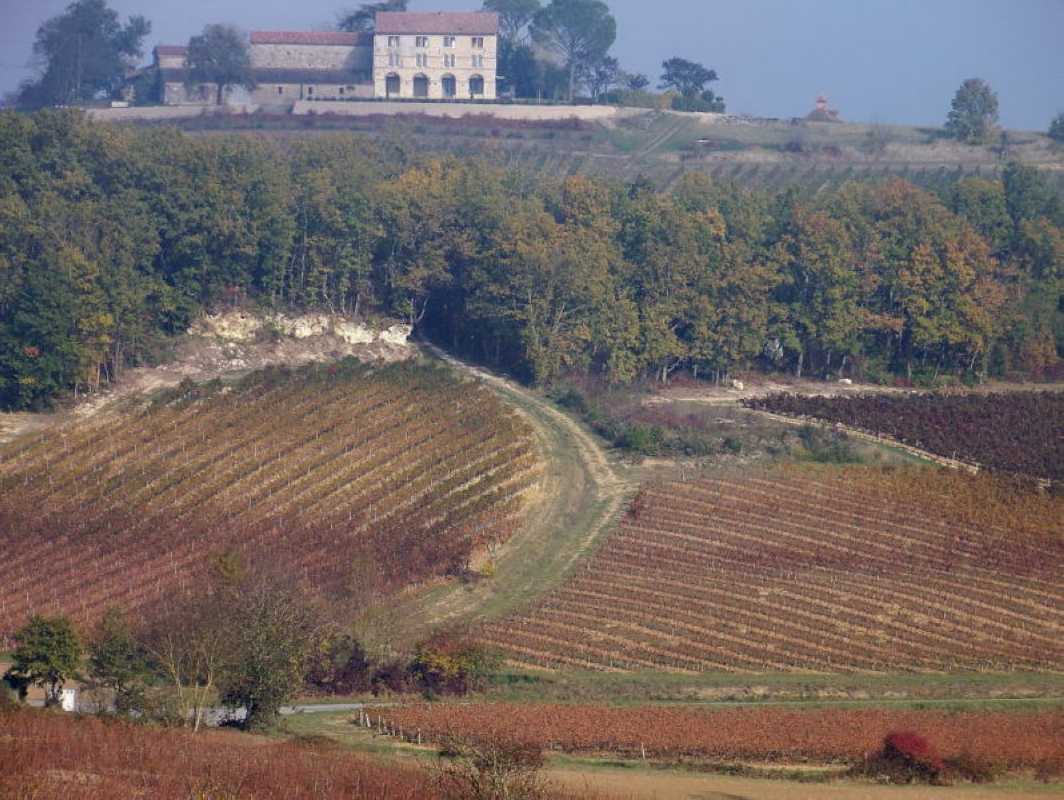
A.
x: 770, y: 734
x: 813, y: 569
x: 52, y: 756
x: 348, y: 477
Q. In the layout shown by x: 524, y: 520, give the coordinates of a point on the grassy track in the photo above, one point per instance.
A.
x: 582, y: 494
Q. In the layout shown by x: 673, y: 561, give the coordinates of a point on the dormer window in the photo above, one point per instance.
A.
x: 478, y: 42
x: 393, y: 41
x: 422, y: 41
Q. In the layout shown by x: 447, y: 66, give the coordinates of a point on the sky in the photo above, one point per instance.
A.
x: 891, y: 61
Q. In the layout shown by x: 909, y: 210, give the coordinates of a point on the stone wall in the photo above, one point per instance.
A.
x: 459, y: 110
x: 312, y: 56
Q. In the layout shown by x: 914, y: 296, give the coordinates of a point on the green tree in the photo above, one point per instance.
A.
x: 220, y: 56
x: 273, y: 635
x: 514, y: 16
x: 973, y: 113
x: 117, y: 661
x: 580, y: 31
x: 1056, y: 128
x: 85, y: 51
x: 47, y: 654
x: 364, y: 18
x: 689, y: 78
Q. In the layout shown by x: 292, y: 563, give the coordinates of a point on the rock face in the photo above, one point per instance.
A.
x: 244, y: 326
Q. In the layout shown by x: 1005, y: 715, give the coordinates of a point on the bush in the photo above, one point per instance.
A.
x: 449, y: 666
x: 490, y: 769
x: 905, y: 757
x: 340, y: 666
x: 974, y: 768
x: 1056, y: 128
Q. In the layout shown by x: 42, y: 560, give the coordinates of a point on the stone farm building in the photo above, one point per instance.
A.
x: 412, y: 55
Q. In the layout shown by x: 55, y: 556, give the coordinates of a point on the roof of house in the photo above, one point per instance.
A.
x: 338, y: 38
x: 171, y: 50
x: 445, y: 22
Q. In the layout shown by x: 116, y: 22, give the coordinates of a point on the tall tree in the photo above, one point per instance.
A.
x: 220, y: 56
x: 364, y: 18
x: 514, y: 16
x: 973, y: 113
x: 601, y: 76
x: 1056, y: 128
x: 83, y: 52
x: 580, y: 31
x: 47, y: 654
x: 689, y: 78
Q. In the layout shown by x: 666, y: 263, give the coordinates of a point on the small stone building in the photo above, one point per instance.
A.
x: 305, y: 65
x: 435, y: 55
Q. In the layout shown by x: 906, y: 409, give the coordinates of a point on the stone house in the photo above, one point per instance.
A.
x: 435, y: 55
x: 426, y: 55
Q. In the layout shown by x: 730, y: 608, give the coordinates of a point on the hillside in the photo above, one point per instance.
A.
x: 829, y: 570
x: 664, y: 146
x: 356, y: 479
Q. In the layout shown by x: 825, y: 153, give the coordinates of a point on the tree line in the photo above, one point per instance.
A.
x: 112, y: 240
x: 242, y: 641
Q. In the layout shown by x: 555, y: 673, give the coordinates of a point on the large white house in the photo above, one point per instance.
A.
x: 435, y: 55
x: 426, y: 55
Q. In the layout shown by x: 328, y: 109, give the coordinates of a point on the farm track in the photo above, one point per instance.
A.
x: 580, y: 498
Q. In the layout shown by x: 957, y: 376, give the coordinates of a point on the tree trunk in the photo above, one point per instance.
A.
x: 572, y: 78
x: 221, y: 88
x: 801, y: 359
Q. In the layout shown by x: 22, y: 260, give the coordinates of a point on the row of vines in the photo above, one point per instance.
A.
x: 1018, y: 432
x: 356, y: 479
x: 829, y: 570
x: 771, y: 734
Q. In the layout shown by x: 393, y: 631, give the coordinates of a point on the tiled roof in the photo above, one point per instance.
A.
x: 339, y: 38
x: 438, y: 22
x: 171, y: 50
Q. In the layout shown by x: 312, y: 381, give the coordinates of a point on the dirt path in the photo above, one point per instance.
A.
x: 581, y: 495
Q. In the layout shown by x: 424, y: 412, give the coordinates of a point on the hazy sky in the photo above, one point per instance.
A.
x: 885, y: 60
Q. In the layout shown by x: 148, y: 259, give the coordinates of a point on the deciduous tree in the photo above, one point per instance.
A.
x: 580, y: 31
x: 973, y: 113
x: 220, y: 56
x: 85, y: 51
x: 47, y: 654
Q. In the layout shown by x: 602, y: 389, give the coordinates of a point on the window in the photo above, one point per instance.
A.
x: 393, y: 41
x: 280, y: 90
x: 478, y: 42
x: 448, y: 41
x: 422, y: 41
x: 395, y: 60
x: 422, y: 59
x: 448, y: 60
x: 310, y: 90
x: 341, y: 91
x: 478, y: 61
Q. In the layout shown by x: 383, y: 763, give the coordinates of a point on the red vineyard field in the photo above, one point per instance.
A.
x: 762, y: 734
x: 351, y: 478
x: 1020, y: 432
x: 826, y: 570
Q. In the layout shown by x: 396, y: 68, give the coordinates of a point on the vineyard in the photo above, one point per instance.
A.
x: 771, y: 734
x: 1017, y: 432
x: 349, y: 477
x: 828, y: 570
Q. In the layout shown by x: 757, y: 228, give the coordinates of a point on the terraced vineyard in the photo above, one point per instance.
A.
x: 1012, y: 739
x: 813, y: 569
x: 351, y: 477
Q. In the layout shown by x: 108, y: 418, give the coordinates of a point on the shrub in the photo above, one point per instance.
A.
x: 451, y: 666
x: 489, y: 769
x: 975, y: 768
x: 905, y: 757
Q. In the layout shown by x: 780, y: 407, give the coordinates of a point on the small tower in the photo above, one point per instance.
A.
x: 822, y: 113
